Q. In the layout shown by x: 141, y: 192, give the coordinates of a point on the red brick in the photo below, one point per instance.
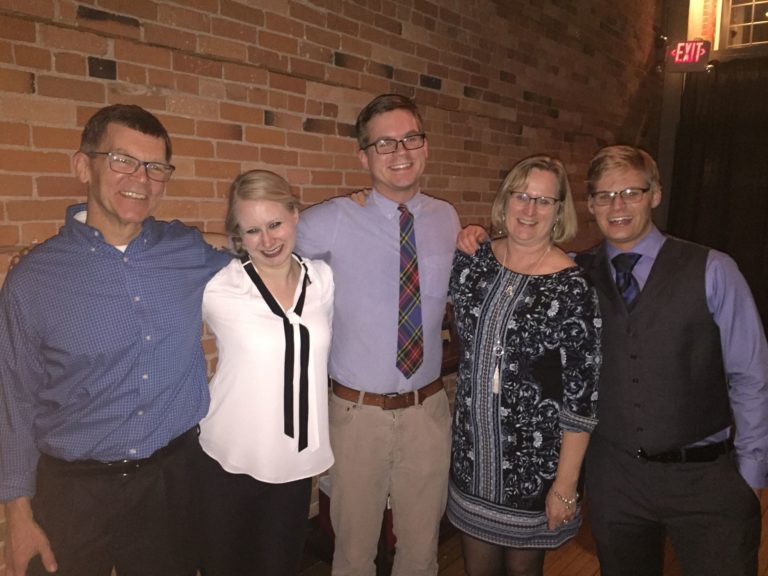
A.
x: 36, y: 232
x: 241, y: 114
x: 36, y: 210
x: 9, y: 236
x: 17, y: 29
x: 17, y: 81
x: 32, y: 57
x: 194, y: 147
x: 219, y: 130
x: 245, y: 73
x: 222, y: 47
x: 241, y: 13
x: 152, y: 56
x: 58, y: 186
x: 190, y: 187
x: 34, y: 161
x: 180, y: 18
x: 216, y: 169
x: 15, y: 185
x: 304, y: 141
x: 324, y: 37
x: 196, y: 65
x: 269, y: 136
x: 15, y: 133
x: 278, y: 42
x: 239, y: 152
x: 84, y: 89
x: 74, y: 40
x: 131, y: 73
x: 168, y: 36
x: 308, y: 70
x: 62, y: 138
x: 279, y: 157
x: 70, y: 64
x: 269, y: 59
x: 327, y: 178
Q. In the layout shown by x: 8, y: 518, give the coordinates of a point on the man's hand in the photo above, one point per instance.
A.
x: 470, y: 238
x: 361, y: 196
x: 25, y: 539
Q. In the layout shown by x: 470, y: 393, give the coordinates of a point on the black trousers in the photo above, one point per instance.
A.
x: 710, y: 514
x: 142, y: 524
x: 251, y: 527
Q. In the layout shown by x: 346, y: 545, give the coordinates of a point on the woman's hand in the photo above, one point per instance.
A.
x: 560, y: 508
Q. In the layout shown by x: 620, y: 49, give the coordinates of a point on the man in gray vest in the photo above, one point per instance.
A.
x: 681, y: 448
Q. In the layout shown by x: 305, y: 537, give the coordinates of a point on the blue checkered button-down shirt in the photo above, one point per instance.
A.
x: 100, y: 352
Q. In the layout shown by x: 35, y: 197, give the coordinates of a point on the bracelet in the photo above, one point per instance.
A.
x: 567, y: 501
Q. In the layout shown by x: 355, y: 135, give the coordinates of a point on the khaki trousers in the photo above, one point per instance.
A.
x: 403, y: 454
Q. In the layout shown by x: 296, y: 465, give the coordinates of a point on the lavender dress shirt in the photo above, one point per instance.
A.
x: 362, y: 246
x: 745, y: 353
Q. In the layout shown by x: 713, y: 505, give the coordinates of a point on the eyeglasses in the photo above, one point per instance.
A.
x: 629, y: 195
x: 389, y: 145
x: 523, y: 199
x: 125, y: 164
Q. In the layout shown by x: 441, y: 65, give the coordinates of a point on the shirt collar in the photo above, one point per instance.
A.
x: 648, y: 246
x: 389, y: 207
x: 76, y: 221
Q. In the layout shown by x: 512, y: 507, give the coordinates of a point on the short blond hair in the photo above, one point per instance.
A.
x: 622, y: 157
x: 566, y: 220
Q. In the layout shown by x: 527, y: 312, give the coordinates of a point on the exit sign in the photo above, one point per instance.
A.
x: 689, y: 56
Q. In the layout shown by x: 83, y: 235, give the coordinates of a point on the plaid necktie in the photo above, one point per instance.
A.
x: 410, y: 339
x: 625, y: 280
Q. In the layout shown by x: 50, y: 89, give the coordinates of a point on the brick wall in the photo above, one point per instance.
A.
x: 278, y: 85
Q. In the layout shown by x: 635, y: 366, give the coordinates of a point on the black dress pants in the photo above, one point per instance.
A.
x: 143, y: 523
x: 710, y: 514
x: 251, y: 527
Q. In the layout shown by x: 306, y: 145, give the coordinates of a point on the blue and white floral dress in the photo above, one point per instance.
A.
x: 540, y: 337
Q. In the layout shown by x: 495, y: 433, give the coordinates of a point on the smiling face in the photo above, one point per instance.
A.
x: 395, y: 175
x: 119, y: 203
x: 267, y: 230
x: 530, y: 224
x: 623, y: 224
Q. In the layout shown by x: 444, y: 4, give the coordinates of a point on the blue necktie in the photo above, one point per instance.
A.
x: 627, y: 284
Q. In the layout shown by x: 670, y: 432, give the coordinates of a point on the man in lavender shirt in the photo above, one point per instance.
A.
x: 681, y: 447
x: 390, y: 432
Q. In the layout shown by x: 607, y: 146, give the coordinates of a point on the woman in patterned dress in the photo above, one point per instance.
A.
x: 529, y: 330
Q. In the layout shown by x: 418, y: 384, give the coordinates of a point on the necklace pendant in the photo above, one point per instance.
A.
x: 496, y: 385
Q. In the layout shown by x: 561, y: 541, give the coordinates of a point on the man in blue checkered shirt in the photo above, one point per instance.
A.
x: 102, y: 375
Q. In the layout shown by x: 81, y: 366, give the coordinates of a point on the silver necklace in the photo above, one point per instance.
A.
x: 498, y: 349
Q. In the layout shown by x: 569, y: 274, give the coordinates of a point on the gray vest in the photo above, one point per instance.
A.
x: 662, y: 383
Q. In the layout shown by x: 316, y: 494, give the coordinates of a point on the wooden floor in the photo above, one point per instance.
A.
x: 576, y: 558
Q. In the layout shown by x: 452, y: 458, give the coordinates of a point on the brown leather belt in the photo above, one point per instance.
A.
x: 387, y: 401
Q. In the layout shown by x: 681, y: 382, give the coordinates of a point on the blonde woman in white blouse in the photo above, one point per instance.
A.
x: 266, y: 434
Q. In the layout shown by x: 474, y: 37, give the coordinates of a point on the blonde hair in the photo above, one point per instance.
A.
x: 566, y: 220
x: 622, y: 157
x: 256, y: 185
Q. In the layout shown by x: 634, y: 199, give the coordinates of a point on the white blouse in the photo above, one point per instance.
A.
x: 243, y: 430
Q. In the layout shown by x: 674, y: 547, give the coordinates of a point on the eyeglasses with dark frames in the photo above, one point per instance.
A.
x: 629, y: 195
x: 389, y: 145
x: 523, y: 199
x: 125, y: 164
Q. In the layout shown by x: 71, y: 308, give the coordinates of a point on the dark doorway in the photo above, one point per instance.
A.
x: 720, y: 184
